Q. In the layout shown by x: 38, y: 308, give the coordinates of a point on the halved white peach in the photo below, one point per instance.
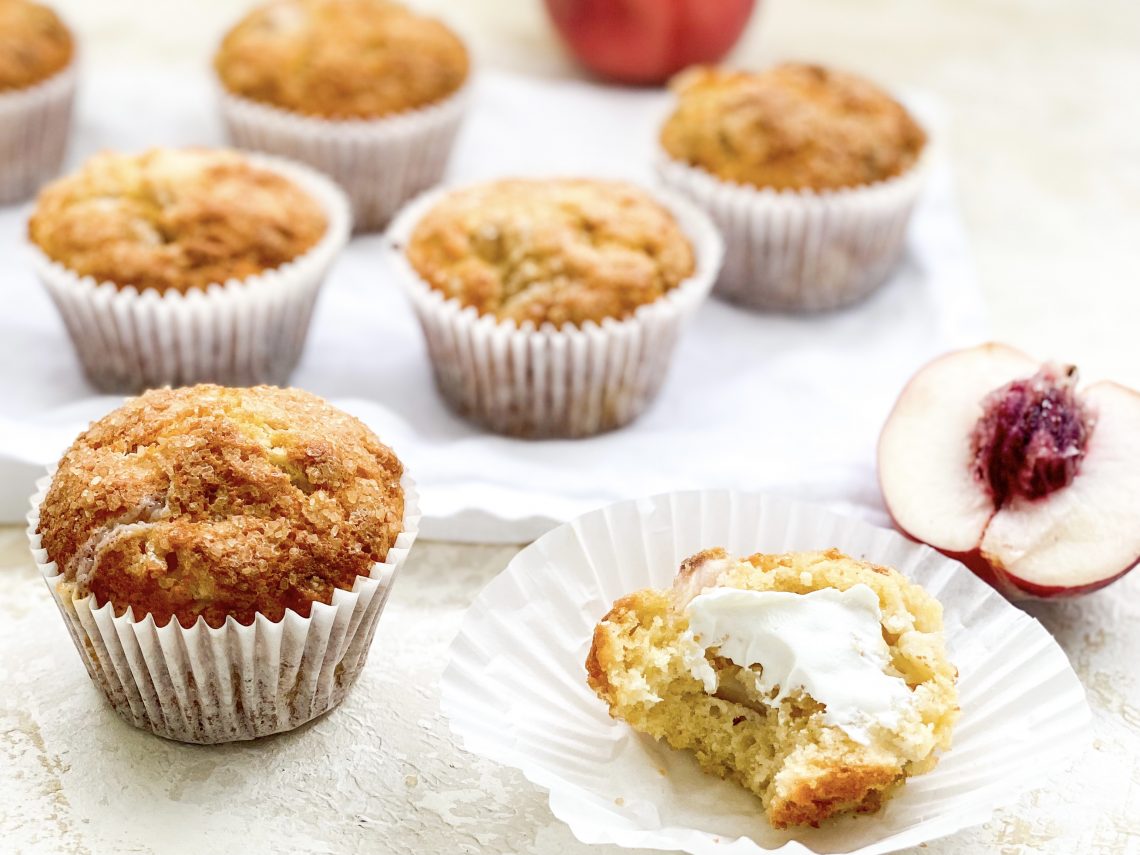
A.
x: 1075, y: 539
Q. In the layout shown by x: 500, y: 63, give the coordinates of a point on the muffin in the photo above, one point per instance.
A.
x: 551, y: 306
x: 811, y: 173
x: 37, y: 88
x: 178, y: 266
x: 818, y: 682
x: 232, y: 546
x: 367, y: 91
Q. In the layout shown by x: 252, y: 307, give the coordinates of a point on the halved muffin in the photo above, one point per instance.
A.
x: 814, y: 680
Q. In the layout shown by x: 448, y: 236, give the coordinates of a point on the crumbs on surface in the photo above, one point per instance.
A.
x: 214, y: 502
x: 561, y: 251
x: 341, y: 59
x: 34, y: 44
x: 174, y: 219
x: 793, y: 126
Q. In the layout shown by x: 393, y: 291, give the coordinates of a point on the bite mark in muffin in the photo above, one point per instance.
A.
x: 652, y: 671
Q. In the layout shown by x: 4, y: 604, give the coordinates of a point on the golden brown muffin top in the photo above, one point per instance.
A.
x: 174, y: 219
x: 214, y: 502
x: 561, y: 251
x: 341, y: 59
x: 34, y: 44
x: 791, y: 127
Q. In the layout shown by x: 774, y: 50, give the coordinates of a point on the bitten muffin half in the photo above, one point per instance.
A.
x: 341, y: 59
x: 561, y: 251
x: 215, y: 503
x: 174, y: 219
x: 814, y: 680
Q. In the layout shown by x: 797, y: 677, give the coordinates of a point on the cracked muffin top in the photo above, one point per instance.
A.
x: 174, y: 219
x: 793, y: 126
x: 220, y: 502
x: 561, y: 251
x: 34, y: 44
x: 341, y: 59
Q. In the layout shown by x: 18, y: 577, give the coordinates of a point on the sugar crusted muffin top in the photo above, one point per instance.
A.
x: 561, y: 251
x: 174, y: 219
x: 641, y: 663
x: 793, y: 126
x: 34, y: 44
x: 215, y: 502
x: 341, y: 59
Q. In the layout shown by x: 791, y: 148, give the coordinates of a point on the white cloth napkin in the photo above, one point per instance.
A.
x: 788, y: 404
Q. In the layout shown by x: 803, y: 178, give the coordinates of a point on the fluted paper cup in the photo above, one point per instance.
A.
x: 380, y: 163
x: 802, y: 250
x: 242, y: 332
x: 569, y: 381
x: 234, y: 682
x: 515, y: 687
x: 34, y: 126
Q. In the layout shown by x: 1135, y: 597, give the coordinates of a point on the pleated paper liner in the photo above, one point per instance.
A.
x: 380, y: 163
x: 548, y: 381
x: 209, y: 685
x: 802, y: 250
x: 34, y: 128
x: 238, y: 333
x: 515, y: 686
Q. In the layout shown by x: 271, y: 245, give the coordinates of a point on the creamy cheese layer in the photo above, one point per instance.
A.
x: 827, y: 643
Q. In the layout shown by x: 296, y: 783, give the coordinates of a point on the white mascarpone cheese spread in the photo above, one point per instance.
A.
x: 827, y: 643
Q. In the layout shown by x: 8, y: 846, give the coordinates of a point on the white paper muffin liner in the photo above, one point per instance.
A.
x: 235, y: 682
x: 34, y: 127
x: 554, y: 382
x: 240, y: 333
x: 380, y: 163
x: 515, y: 687
x: 801, y: 251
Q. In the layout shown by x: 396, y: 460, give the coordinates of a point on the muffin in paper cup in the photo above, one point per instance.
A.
x: 34, y: 128
x: 380, y: 163
x: 802, y: 250
x: 237, y: 681
x: 810, y: 173
x: 550, y: 381
x: 369, y: 92
x: 235, y: 332
x: 515, y: 688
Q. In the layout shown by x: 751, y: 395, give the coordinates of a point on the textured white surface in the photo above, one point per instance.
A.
x: 382, y: 773
x: 1043, y: 136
